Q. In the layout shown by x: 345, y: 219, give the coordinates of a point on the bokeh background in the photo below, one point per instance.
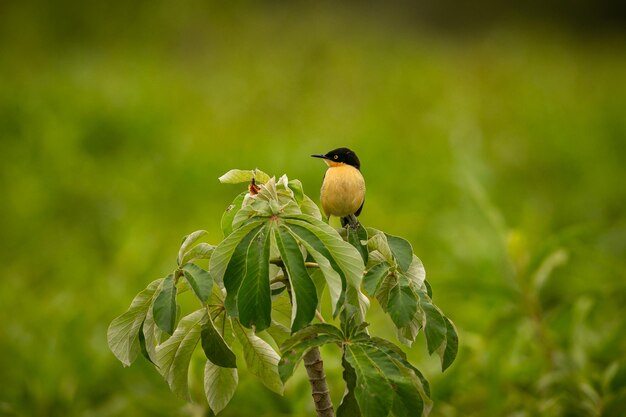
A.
x: 492, y: 136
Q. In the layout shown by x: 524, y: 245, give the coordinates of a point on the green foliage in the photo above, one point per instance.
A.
x: 269, y: 233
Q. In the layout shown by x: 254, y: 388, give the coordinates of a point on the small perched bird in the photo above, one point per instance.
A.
x: 343, y: 187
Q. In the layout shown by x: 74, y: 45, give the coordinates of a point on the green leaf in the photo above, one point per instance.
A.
x: 397, y: 353
x: 142, y: 344
x: 278, y: 333
x: 435, y: 328
x: 344, y: 258
x: 402, y: 302
x: 255, y: 301
x: 215, y: 348
x: 332, y: 277
x: 373, y: 392
x: 402, y: 251
x: 384, y: 383
x: 224, y: 251
x: 379, y: 247
x: 296, y: 187
x: 303, y: 291
x: 123, y: 332
x: 309, y: 207
x: 345, y: 255
x: 373, y: 277
x: 174, y: 355
x: 220, y: 385
x: 230, y: 212
x: 200, y: 251
x: 416, y: 273
x: 236, y: 176
x: 187, y: 242
x: 292, y: 357
x: 349, y: 406
x: 451, y: 346
x: 355, y: 237
x: 261, y: 359
x: 152, y: 336
x: 200, y: 281
x: 164, y: 308
x: 236, y: 271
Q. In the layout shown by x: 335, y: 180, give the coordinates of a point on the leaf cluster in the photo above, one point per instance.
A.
x: 266, y: 277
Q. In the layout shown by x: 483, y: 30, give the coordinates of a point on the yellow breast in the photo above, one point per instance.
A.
x: 343, y: 190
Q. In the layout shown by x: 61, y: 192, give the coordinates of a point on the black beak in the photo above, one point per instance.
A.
x: 319, y: 156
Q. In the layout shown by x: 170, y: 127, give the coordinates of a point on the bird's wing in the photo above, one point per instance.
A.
x: 360, y: 208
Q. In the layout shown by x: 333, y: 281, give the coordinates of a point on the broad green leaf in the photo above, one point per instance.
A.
x: 261, y: 359
x: 309, y: 207
x: 200, y: 251
x: 224, y: 251
x: 281, y: 309
x: 142, y: 344
x: 397, y: 353
x: 402, y: 251
x: 236, y: 271
x: 199, y: 280
x: 384, y: 383
x: 278, y: 333
x: 373, y: 277
x: 250, y: 207
x: 408, y: 333
x: 164, y: 308
x: 303, y: 291
x: 416, y: 273
x: 402, y: 302
x: 174, y: 355
x: 320, y: 283
x: 420, y: 384
x: 355, y: 237
x: 451, y: 345
x: 215, y: 348
x: 378, y: 243
x: 435, y: 328
x: 296, y: 187
x: 332, y: 277
x: 236, y: 176
x: 123, y: 332
x: 344, y: 254
x: 292, y: 357
x: 187, y: 242
x: 373, y: 392
x: 408, y: 400
x: 349, y: 406
x: 152, y: 336
x: 230, y: 212
x: 254, y: 301
x: 220, y: 385
x: 357, y: 301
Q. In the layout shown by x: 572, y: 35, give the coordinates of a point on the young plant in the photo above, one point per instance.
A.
x: 268, y: 275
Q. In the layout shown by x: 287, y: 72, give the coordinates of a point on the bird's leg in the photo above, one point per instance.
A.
x: 352, y: 222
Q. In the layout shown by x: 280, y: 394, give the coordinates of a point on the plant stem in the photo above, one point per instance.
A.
x: 317, y: 378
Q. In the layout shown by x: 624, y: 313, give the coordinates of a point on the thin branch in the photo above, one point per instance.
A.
x: 279, y: 262
x: 319, y: 316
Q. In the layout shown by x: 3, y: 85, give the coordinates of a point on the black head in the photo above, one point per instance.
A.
x: 341, y: 155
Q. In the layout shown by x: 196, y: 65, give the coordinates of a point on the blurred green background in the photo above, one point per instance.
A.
x: 493, y: 138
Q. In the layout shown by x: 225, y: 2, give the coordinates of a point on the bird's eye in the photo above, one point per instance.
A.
x: 336, y: 157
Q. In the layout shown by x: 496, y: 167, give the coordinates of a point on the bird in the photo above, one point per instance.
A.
x: 343, y: 186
